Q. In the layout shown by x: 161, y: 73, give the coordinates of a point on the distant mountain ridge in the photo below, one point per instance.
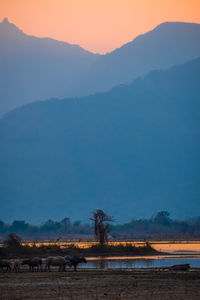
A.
x: 131, y: 151
x: 9, y: 31
x: 168, y: 44
x: 39, y: 68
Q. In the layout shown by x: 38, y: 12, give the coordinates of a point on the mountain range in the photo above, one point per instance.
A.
x: 33, y: 69
x: 132, y: 151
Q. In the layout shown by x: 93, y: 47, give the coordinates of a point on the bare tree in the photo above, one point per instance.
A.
x: 13, y: 240
x: 101, y: 225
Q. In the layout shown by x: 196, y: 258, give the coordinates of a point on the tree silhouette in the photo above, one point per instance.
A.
x: 101, y: 225
x: 162, y: 217
x: 13, y: 240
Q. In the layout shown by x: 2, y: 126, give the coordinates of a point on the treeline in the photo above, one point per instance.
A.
x: 159, y: 226
x: 49, y: 229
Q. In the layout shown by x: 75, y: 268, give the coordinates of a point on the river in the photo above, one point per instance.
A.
x: 180, y: 252
x: 142, y: 262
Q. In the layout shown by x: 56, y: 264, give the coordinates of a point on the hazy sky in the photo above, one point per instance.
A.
x: 96, y: 25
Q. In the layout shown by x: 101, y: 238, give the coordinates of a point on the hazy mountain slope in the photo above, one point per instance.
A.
x: 131, y: 151
x: 34, y: 69
x: 168, y: 44
x: 37, y: 68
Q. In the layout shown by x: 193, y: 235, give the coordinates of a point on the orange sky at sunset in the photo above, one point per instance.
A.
x: 96, y: 25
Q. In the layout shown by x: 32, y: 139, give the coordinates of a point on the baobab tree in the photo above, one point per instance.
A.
x: 101, y: 225
x: 13, y: 241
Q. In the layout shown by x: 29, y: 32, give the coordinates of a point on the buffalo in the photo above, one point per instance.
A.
x: 16, y: 265
x: 59, y: 261
x: 75, y: 260
x: 182, y: 267
x: 32, y: 263
x: 5, y: 265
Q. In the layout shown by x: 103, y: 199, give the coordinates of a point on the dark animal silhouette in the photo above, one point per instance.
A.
x: 32, y: 263
x: 182, y: 267
x: 5, y: 265
x: 57, y: 261
x: 75, y: 260
x: 16, y: 265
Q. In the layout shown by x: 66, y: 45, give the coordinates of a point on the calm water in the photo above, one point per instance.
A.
x: 184, y: 251
x: 106, y: 263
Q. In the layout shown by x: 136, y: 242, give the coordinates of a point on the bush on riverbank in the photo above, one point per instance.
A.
x: 121, y: 249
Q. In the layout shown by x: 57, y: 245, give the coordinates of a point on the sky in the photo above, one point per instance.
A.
x: 96, y: 25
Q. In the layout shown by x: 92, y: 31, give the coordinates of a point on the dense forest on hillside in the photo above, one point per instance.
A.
x: 159, y: 226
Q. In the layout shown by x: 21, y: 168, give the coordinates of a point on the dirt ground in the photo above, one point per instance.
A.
x: 101, y: 284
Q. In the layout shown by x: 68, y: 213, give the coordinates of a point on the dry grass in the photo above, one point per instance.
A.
x: 147, y: 284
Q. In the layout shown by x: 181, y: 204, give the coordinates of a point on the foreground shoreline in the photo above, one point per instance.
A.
x: 151, y: 283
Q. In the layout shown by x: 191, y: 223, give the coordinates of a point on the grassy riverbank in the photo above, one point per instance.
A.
x: 94, y: 250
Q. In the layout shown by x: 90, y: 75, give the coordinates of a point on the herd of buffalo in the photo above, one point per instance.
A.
x: 39, y: 264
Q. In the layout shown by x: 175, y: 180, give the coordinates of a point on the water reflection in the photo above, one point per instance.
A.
x: 107, y: 263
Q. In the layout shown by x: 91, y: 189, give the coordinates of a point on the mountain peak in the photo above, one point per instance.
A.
x: 5, y: 21
x: 9, y: 29
x: 176, y: 26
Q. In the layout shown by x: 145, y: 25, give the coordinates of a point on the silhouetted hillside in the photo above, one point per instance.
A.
x: 168, y: 44
x: 131, y: 151
x: 38, y: 68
